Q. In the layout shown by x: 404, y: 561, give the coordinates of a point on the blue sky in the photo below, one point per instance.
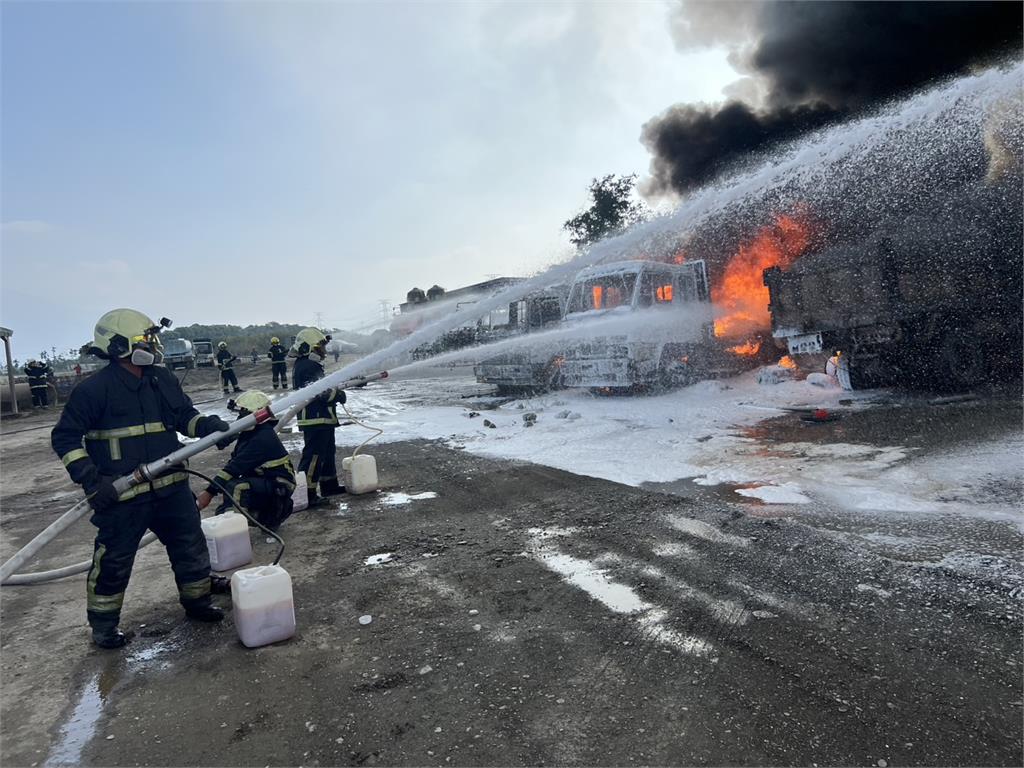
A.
x: 247, y: 162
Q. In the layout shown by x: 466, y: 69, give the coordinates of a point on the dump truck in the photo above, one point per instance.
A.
x: 533, y: 367
x: 933, y: 302
x: 204, y: 355
x: 663, y: 350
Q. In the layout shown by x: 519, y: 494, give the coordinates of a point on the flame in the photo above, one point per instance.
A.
x: 742, y: 292
x: 787, y: 362
x: 750, y: 348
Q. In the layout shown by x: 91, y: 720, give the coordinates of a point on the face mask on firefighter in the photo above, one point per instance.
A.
x: 146, y: 348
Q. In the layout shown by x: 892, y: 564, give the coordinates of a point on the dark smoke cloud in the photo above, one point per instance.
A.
x: 814, y: 63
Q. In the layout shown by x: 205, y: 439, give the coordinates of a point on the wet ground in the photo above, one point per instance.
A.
x: 525, y: 615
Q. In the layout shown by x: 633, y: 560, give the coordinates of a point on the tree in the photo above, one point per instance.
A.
x: 613, y: 209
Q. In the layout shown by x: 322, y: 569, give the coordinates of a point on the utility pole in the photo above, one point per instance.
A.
x: 385, y: 309
x: 318, y: 319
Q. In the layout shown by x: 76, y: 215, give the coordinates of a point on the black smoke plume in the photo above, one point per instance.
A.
x: 816, y: 63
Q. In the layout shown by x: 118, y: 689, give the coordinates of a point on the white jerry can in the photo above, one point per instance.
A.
x: 359, y: 473
x: 227, y: 539
x: 300, y: 496
x: 262, y: 603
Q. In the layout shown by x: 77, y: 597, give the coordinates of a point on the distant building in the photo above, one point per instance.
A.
x: 422, y: 307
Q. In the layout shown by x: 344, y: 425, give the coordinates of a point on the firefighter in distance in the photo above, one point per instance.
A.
x: 278, y: 363
x: 259, y: 476
x: 318, y: 420
x: 226, y: 361
x: 127, y: 414
x: 38, y: 382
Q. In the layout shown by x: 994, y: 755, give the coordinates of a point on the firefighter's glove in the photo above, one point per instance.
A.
x: 216, y: 424
x: 340, y: 397
x: 102, y: 494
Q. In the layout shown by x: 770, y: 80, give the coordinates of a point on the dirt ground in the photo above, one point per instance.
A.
x: 712, y: 635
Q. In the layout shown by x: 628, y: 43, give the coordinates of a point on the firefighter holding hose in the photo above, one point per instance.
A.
x: 278, y: 363
x: 38, y: 380
x: 128, y: 414
x: 259, y: 476
x: 318, y: 420
x: 226, y: 362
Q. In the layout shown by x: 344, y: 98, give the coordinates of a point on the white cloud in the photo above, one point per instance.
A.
x: 26, y: 227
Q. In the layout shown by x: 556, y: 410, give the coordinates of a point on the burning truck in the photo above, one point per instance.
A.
x: 930, y: 300
x: 670, y: 350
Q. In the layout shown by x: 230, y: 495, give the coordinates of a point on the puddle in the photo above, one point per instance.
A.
x: 384, y: 557
x: 396, y: 499
x: 83, y: 723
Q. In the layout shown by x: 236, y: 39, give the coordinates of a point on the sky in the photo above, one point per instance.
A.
x: 246, y: 162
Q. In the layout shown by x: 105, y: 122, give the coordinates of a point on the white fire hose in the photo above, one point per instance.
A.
x: 288, y: 406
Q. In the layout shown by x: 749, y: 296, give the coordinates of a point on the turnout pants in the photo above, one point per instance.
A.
x: 318, y: 454
x: 269, y: 501
x: 227, y: 377
x: 175, y: 521
x: 279, y: 371
x: 40, y: 396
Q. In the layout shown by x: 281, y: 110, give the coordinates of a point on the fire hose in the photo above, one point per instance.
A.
x: 288, y: 406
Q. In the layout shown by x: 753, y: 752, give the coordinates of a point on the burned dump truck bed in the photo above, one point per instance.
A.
x: 934, y: 303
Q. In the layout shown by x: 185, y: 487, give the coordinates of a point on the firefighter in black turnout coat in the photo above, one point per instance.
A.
x: 259, y: 477
x: 38, y: 373
x: 225, y: 361
x: 278, y: 363
x: 317, y: 420
x: 128, y: 414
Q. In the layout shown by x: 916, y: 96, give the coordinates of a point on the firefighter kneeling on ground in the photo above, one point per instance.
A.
x: 278, y: 363
x: 318, y: 420
x: 225, y: 361
x: 129, y: 414
x: 38, y: 373
x: 259, y: 476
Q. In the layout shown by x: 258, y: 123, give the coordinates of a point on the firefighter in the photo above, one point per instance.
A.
x: 259, y: 476
x: 128, y: 414
x: 278, y: 363
x: 38, y: 373
x: 225, y: 361
x: 318, y: 419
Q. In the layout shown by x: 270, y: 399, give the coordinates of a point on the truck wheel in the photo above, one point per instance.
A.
x: 962, y: 362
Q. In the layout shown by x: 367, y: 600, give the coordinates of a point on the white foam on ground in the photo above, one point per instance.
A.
x: 789, y: 493
x: 397, y: 499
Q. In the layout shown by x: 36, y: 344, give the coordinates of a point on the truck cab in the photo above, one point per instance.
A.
x: 204, y: 355
x: 664, y: 352
x: 179, y: 353
x: 533, y: 367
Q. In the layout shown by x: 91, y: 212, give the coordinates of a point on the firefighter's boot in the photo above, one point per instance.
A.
x: 105, y: 633
x: 330, y: 487
x: 312, y: 499
x: 203, y: 609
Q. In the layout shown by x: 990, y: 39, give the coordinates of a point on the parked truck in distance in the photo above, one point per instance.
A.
x: 534, y: 367
x: 179, y: 353
x: 674, y: 349
x: 204, y: 354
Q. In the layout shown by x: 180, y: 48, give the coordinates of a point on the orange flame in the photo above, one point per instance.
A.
x: 787, y: 362
x: 742, y: 292
x: 750, y: 348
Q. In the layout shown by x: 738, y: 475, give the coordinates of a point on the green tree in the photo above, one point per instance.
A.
x: 613, y: 208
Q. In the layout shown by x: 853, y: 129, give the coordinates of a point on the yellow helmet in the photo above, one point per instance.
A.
x: 309, y: 339
x: 120, y: 330
x: 274, y: 340
x: 252, y: 401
